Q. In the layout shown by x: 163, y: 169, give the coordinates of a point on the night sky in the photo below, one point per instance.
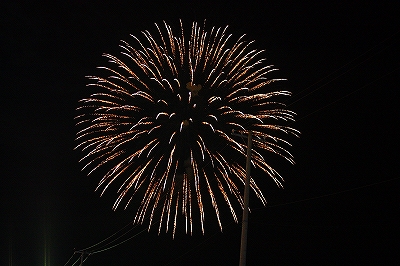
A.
x: 340, y: 205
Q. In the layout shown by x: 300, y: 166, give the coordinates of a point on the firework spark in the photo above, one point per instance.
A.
x: 160, y: 123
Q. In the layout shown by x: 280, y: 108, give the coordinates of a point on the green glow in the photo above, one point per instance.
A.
x: 46, y: 237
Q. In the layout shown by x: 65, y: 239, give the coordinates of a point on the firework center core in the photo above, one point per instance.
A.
x: 193, y: 88
x: 185, y: 123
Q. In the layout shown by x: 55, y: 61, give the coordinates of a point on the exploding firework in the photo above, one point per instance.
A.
x: 160, y: 123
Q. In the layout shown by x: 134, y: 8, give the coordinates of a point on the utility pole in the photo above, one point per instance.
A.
x: 245, y: 218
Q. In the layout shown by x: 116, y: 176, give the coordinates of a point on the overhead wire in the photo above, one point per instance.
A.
x: 102, y: 241
x: 328, y: 195
x: 107, y: 248
x: 69, y: 259
x: 75, y: 261
x: 348, y: 94
x: 348, y: 63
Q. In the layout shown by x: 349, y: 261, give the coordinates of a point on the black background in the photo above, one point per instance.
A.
x: 340, y: 203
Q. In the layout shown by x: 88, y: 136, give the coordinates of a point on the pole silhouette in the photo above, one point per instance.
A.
x: 245, y: 219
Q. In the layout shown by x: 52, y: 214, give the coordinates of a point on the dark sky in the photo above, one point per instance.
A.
x: 340, y: 203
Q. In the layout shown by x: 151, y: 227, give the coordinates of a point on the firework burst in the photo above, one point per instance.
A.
x: 160, y: 123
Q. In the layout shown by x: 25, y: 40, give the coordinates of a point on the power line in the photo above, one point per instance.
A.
x: 348, y: 63
x: 348, y: 94
x: 329, y: 194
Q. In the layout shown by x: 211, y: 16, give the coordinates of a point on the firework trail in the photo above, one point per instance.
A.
x: 159, y: 124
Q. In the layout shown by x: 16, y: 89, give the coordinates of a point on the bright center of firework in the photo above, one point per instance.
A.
x: 193, y: 88
x: 185, y: 123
